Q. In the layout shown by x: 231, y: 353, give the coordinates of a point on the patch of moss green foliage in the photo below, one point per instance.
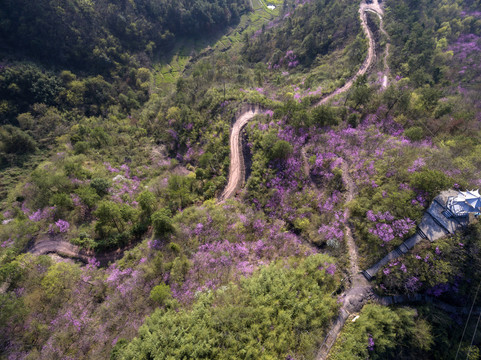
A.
x: 279, y: 311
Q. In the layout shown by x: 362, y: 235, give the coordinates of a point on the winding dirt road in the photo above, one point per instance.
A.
x: 371, y: 52
x: 376, y: 9
x: 237, y: 167
x: 387, y: 70
x: 236, y: 170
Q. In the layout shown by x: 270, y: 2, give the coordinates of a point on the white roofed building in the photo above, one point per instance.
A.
x: 465, y: 203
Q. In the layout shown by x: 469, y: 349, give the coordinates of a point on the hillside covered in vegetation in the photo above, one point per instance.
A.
x: 116, y: 239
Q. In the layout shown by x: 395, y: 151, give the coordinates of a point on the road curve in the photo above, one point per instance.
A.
x: 371, y: 52
x: 236, y: 168
x: 47, y: 245
x: 60, y: 247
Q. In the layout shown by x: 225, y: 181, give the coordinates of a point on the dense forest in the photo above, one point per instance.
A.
x: 101, y: 36
x: 114, y: 241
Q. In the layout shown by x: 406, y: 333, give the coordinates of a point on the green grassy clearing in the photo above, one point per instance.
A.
x: 167, y: 71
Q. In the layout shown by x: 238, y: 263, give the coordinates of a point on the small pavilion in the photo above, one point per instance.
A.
x: 465, y: 203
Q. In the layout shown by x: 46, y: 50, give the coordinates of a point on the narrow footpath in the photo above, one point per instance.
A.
x: 360, y: 290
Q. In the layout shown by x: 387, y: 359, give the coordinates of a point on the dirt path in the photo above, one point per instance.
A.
x: 356, y: 275
x: 371, y: 52
x: 47, y: 245
x: 236, y: 169
x: 360, y: 290
x: 60, y: 247
x: 387, y: 70
x: 305, y: 162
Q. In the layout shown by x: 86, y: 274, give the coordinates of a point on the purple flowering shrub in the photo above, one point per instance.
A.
x: 281, y: 188
x: 466, y: 50
x: 386, y: 228
x: 60, y: 226
x: 288, y: 60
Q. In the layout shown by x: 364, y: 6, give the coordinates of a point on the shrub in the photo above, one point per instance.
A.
x: 88, y: 196
x: 414, y: 133
x: 15, y: 141
x: 160, y: 293
x: 81, y: 147
x: 101, y: 186
x: 431, y: 181
x: 146, y: 202
x: 281, y: 150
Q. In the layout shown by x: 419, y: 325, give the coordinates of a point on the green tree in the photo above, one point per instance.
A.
x: 431, y: 181
x: 179, y: 191
x: 101, y: 186
x: 324, y: 115
x: 109, y: 214
x: 147, y: 203
x: 360, y: 92
x: 63, y: 202
x: 414, y: 133
x: 88, y: 195
x: 59, y: 280
x: 15, y: 141
x: 162, y: 222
